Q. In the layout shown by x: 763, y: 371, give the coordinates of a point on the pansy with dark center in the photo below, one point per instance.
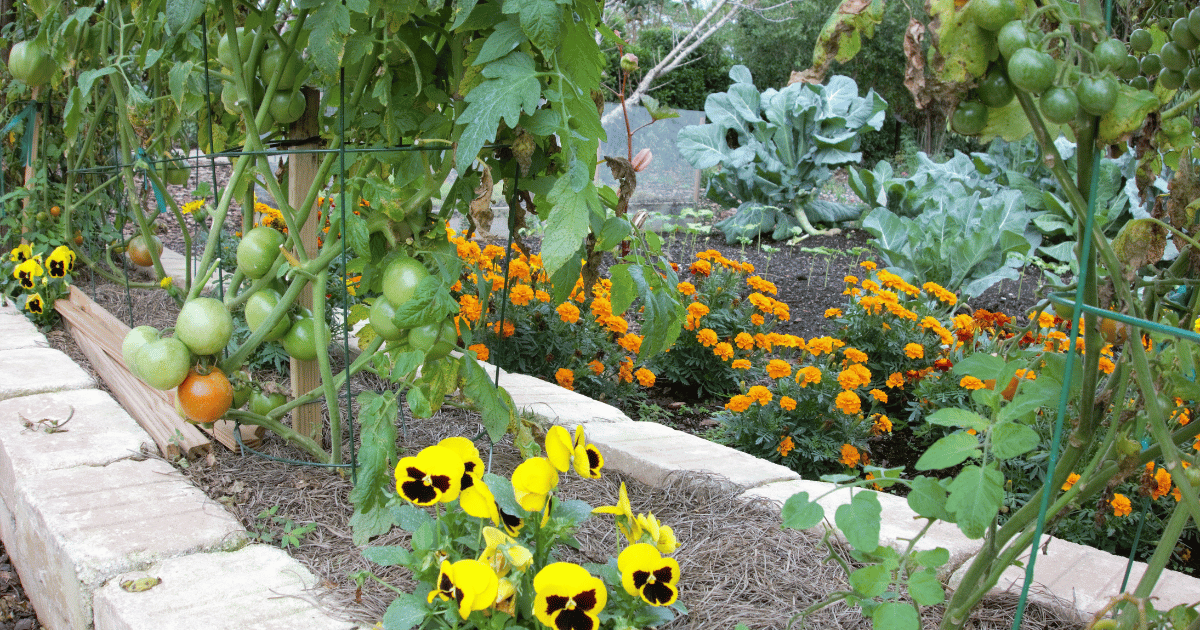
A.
x: 35, y: 304
x: 470, y: 583
x: 60, y: 262
x: 646, y: 574
x: 568, y: 597
x: 21, y: 253
x: 475, y: 497
x: 566, y: 453
x: 434, y: 475
x: 27, y: 271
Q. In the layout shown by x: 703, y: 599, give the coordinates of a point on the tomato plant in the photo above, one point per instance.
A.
x: 259, y: 307
x: 163, y: 363
x: 381, y: 316
x: 1059, y: 105
x: 436, y: 340
x: 969, y: 118
x: 30, y: 63
x: 287, y: 107
x: 991, y: 15
x: 204, y: 325
x: 1097, y: 95
x: 205, y: 397
x: 263, y: 403
x: 1140, y: 40
x: 401, y: 278
x: 258, y: 250
x: 1012, y: 37
x: 1110, y: 54
x: 1030, y: 70
x: 139, y: 249
x: 301, y: 339
x: 994, y: 89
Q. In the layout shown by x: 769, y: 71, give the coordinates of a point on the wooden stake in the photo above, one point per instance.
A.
x: 302, y: 170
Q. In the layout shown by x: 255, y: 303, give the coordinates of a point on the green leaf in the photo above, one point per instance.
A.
x: 495, y: 405
x: 925, y: 589
x: 541, y: 20
x: 800, y: 512
x: 418, y: 403
x: 182, y: 13
x: 377, y: 423
x: 503, y: 40
x: 615, y: 230
x: 510, y: 87
x: 331, y: 25
x: 981, y: 365
x: 871, y: 580
x: 1010, y: 439
x: 928, y: 499
x: 407, y: 364
x: 366, y: 525
x: 569, y: 221
x: 1127, y: 116
x: 895, y: 616
x: 662, y: 312
x: 951, y: 450
x: 391, y: 556
x: 858, y: 520
x: 575, y: 512
x: 962, y: 49
x: 407, y: 611
x: 975, y: 498
x: 409, y: 517
x: 841, y: 37
x: 932, y: 558
x: 431, y: 302
x: 956, y: 417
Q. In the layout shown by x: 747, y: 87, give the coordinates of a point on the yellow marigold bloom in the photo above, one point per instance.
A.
x: 761, y: 302
x: 830, y: 313
x: 492, y: 252
x: 480, y: 350
x: 723, y: 350
x: 929, y: 322
x: 819, y: 345
x: 739, y: 403
x: 541, y: 296
x: 565, y: 378
x: 808, y: 375
x: 757, y: 319
x: 568, y: 312
x: 868, y: 265
x: 762, y: 341
x: 518, y: 269
x: 849, y: 403
x: 741, y: 364
x: 601, y: 308
x: 855, y: 355
x: 759, y: 284
x: 1106, y: 365
x: 872, y: 304
x: 686, y: 288
x: 964, y: 322
x: 853, y: 291
x: 850, y: 280
x: 944, y: 335
x: 787, y: 402
x: 616, y: 323
x: 1026, y: 374
x: 895, y: 380
x: 166, y: 282
x: 972, y: 383
x: 1120, y: 505
x: 781, y: 311
x: 914, y: 351
x: 743, y: 340
x: 870, y: 285
x: 631, y: 342
x: 697, y: 310
x: 192, y: 206
x: 850, y: 455
x: 790, y: 341
x: 707, y: 337
x: 878, y: 394
x: 1070, y: 482
x: 747, y: 267
x: 596, y: 367
x: 645, y: 377
x: 881, y: 425
x: 760, y: 395
x: 779, y: 368
x: 786, y: 445
x: 940, y: 293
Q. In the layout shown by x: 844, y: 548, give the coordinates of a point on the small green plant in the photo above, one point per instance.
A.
x: 270, y: 528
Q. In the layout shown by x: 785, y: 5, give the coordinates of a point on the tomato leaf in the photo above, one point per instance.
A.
x: 495, y: 405
x: 331, y: 25
x: 570, y: 219
x: 430, y: 303
x: 928, y: 499
x: 541, y: 20
x: 377, y: 422
x: 510, y: 87
x: 975, y: 498
x: 895, y: 616
x: 951, y: 450
x: 662, y: 313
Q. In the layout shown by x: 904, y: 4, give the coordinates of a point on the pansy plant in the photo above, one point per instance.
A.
x: 37, y: 276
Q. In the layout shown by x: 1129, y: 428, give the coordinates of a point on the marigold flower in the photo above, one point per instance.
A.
x: 757, y: 319
x: 878, y: 394
x: 520, y: 294
x: 850, y: 280
x: 778, y: 368
x: 759, y: 394
x: 701, y: 268
x: 740, y: 364
x: 940, y: 293
x: 1162, y: 483
x: 542, y: 296
x: 707, y: 337
x: 808, y: 375
x: 853, y: 377
x: 644, y: 377
x: 616, y: 324
x: 895, y: 380
x: 790, y: 341
x: 743, y: 340
x: 1120, y: 505
x: 645, y: 573
x: 568, y: 597
x: 781, y: 311
x: 518, y: 269
x: 868, y: 265
x: 433, y: 475
x: 596, y: 367
x: 759, y: 284
x: 1106, y: 365
x: 786, y: 445
x: 568, y: 312
x: 470, y: 583
x: 601, y: 308
x: 943, y: 364
x: 631, y: 342
x: 972, y: 383
x: 855, y: 355
x: 848, y: 402
x: 723, y: 350
x: 881, y: 425
x: 787, y: 403
x: 1071, y: 479
x: 914, y: 351
x: 565, y: 378
x: 850, y: 455
x: 469, y: 307
x: 739, y: 403
x: 686, y: 288
x: 480, y: 350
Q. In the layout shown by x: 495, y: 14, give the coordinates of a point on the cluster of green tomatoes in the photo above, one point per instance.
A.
x: 288, y: 103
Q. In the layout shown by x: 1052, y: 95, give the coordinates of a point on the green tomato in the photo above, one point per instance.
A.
x: 1194, y: 22
x: 257, y: 251
x: 270, y: 64
x: 1012, y: 37
x: 177, y: 175
x: 1140, y: 83
x: 134, y: 340
x: 1059, y: 105
x: 1181, y: 33
x: 1151, y: 65
x: 30, y: 63
x: 163, y: 363
x: 1031, y: 71
x: 204, y: 325
x: 436, y: 340
x: 301, y: 340
x: 1110, y: 54
x: 225, y: 47
x: 1129, y: 69
x: 1097, y: 95
x: 1174, y: 57
x: 401, y: 278
x: 1140, y: 40
x: 994, y: 90
x: 969, y: 118
x: 1171, y: 79
x: 287, y: 107
x: 263, y: 403
x: 258, y: 307
x: 381, y: 316
x: 991, y: 15
x: 1193, y: 79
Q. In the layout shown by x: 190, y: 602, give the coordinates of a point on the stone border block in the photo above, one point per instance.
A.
x: 93, y: 430
x: 18, y: 332
x: 77, y: 527
x: 257, y: 587
x: 649, y: 451
x: 28, y: 371
x: 553, y: 403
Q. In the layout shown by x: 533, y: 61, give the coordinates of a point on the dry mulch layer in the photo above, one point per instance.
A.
x: 737, y: 563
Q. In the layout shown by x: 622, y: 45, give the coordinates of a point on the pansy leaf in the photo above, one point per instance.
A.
x: 925, y: 589
x: 859, y: 520
x: 575, y: 512
x: 1010, y: 439
x: 895, y: 616
x: 975, y: 498
x: 951, y: 450
x: 928, y: 498
x: 800, y: 512
x: 390, y: 556
x: 406, y: 611
x: 366, y: 525
x: 871, y: 580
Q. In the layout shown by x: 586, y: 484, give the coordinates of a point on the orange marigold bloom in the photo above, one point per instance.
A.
x: 616, y: 323
x: 631, y: 342
x: 761, y: 302
x: 741, y: 364
x: 541, y: 296
x: 601, y: 308
x: 625, y: 370
x: 895, y: 380
x: 568, y: 312
x: 480, y: 350
x: 786, y: 445
x: 972, y: 383
x: 757, y: 319
x: 914, y: 351
x: 850, y: 455
x: 781, y: 311
x: 1162, y: 483
x: 521, y: 294
x: 808, y: 375
x: 723, y: 350
x: 819, y: 345
x: 518, y: 269
x: 879, y: 394
x: 853, y: 377
x: 707, y: 337
x: 739, y: 403
x: 881, y: 425
x: 504, y: 331
x: 469, y: 307
x: 787, y: 402
x: 790, y: 341
x: 743, y: 340
x: 596, y: 367
x: 645, y: 377
x: 849, y: 403
x: 943, y: 364
x: 686, y: 288
x: 763, y: 342
x: 850, y: 280
x: 855, y: 355
x: 778, y: 368
x: 759, y: 284
x: 1120, y: 505
x: 868, y: 265
x: 701, y: 268
x: 1070, y: 482
x: 565, y: 378
x: 760, y: 394
x: 1106, y: 365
